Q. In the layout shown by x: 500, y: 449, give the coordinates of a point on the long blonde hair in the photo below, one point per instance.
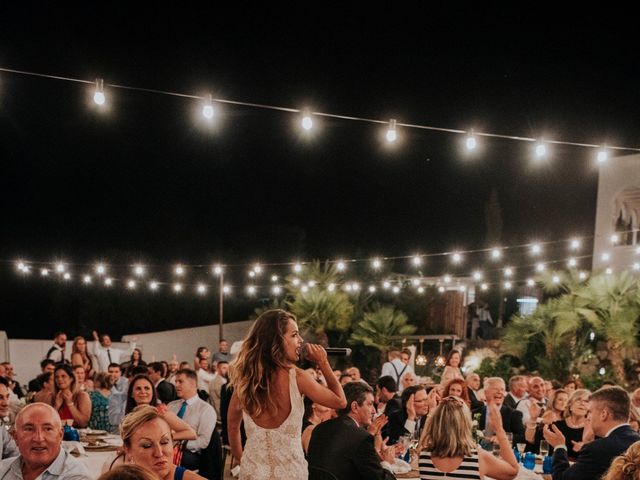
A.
x: 261, y: 355
x: 448, y: 430
x: 625, y: 466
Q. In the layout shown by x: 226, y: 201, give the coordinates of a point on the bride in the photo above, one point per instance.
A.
x: 267, y: 395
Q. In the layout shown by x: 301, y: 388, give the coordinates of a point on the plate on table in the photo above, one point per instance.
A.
x: 97, y: 445
x: 400, y: 467
x: 88, y: 431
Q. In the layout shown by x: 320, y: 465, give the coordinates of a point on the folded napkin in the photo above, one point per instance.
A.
x: 73, y: 447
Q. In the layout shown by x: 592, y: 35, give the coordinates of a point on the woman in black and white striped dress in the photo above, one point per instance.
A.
x: 448, y: 449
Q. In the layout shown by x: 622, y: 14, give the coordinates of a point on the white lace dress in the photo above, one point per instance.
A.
x: 276, y: 453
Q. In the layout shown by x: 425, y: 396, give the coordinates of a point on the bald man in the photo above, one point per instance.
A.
x: 38, y: 434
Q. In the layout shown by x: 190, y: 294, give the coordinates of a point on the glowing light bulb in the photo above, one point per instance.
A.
x: 60, y: 267
x: 575, y: 244
x: 602, y: 156
x: 252, y: 273
x: 20, y: 266
x: 447, y: 278
x: 484, y: 287
x: 496, y: 253
x: 555, y: 279
x: 341, y: 266
x: 396, y: 289
x: 179, y: 270
x: 101, y: 269
x: 605, y: 257
x: 471, y: 142
x: 276, y: 290
x: 416, y: 260
x: 207, y: 109
x: 386, y: 285
x: 138, y: 270
x: 592, y: 336
x: 441, y: 289
x: 530, y: 282
x: 602, y: 371
x: 274, y: 278
x: 508, y: 285
x: 67, y: 276
x: 457, y: 258
x: 304, y: 289
x: 153, y: 286
x: 508, y: 272
x: 392, y: 136
x: 415, y: 282
x: 257, y: 268
x: 376, y: 264
x: 297, y: 268
x: 218, y: 270
x: 44, y: 272
x: 86, y: 279
x: 355, y: 286
x: 477, y: 275
x: 541, y: 150
x: 615, y: 239
x: 177, y: 288
x: 582, y: 275
x: 201, y: 288
x: 251, y: 290
x: 347, y: 287
x: 636, y: 266
x: 609, y: 271
x: 108, y: 282
x: 572, y: 262
x: 226, y: 289
x: 307, y: 123
x: 131, y: 284
x: 372, y: 289
x: 295, y: 281
x: 98, y: 96
x: 536, y: 249
x: 462, y: 288
x: 540, y: 267
x: 331, y: 287
x: 420, y: 290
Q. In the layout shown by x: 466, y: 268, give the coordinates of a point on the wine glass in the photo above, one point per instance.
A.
x: 521, y: 447
x: 544, y: 448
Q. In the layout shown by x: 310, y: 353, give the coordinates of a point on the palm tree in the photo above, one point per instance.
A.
x: 379, y: 325
x: 319, y: 310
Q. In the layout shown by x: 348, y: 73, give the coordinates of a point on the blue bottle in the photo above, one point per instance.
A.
x: 517, y: 454
x: 75, y: 435
x: 66, y: 435
x: 529, y: 461
x: 547, y: 464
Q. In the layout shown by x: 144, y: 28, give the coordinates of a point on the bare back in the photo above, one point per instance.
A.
x: 281, y: 397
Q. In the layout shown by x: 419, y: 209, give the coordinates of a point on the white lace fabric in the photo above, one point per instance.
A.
x: 276, y: 453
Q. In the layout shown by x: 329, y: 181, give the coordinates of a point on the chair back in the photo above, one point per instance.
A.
x: 317, y: 473
x: 211, y: 465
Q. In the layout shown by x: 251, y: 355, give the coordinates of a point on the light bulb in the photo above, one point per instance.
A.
x: 496, y: 253
x: 372, y: 289
x: 98, y: 96
x: 138, y: 270
x: 60, y: 267
x: 605, y: 257
x: 207, y: 109
x: 477, y: 275
x: 447, y: 278
x: 508, y: 285
x: 536, y: 249
x: 541, y: 150
x: 457, y: 258
x: 396, y: 289
x: 508, y: 272
x: 108, y: 282
x: 131, y: 284
x: 471, y: 142
x: 179, y: 270
x: 572, y: 262
x: 341, y: 266
x: 331, y: 287
x: 67, y: 276
x: 602, y: 156
x: 218, y: 270
x: 297, y: 268
x: 540, y: 267
x: 100, y: 269
x: 416, y: 260
x: 555, y: 279
x: 274, y: 278
x: 153, y: 286
x: 226, y: 289
x: 86, y: 279
x: 392, y: 136
x: 530, y: 282
x: 420, y: 289
x: 201, y: 289
x: 307, y: 123
x: 441, y: 289
x: 276, y: 290
x: 44, y: 272
x: 386, y: 285
x: 484, y: 287
x: 177, y: 288
x: 575, y: 244
x: 251, y: 290
x: 376, y: 264
x: 582, y: 275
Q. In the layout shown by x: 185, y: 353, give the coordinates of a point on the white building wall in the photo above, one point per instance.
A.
x: 618, y: 185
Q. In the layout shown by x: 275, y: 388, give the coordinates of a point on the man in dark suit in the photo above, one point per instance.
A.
x: 517, y: 391
x: 494, y: 391
x: 344, y: 448
x: 166, y: 392
x: 387, y: 394
x: 473, y: 385
x: 411, y: 416
x: 609, y: 411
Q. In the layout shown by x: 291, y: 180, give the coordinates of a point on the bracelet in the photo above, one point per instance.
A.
x: 531, y: 426
x: 69, y: 404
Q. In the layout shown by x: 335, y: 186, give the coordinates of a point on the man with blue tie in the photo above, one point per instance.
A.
x: 196, y: 412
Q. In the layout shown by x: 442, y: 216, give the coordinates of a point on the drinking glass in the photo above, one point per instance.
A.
x: 544, y: 448
x: 521, y: 447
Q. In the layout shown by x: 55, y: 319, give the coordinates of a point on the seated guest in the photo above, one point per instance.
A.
x: 38, y: 434
x: 69, y: 401
x: 476, y: 394
x: 165, y: 390
x: 553, y: 414
x: 314, y: 414
x: 84, y: 384
x: 172, y: 369
x: 142, y: 392
x: 448, y: 449
x: 534, y: 406
x: 196, y: 412
x: 7, y: 445
x: 128, y: 472
x: 100, y: 403
x: 148, y: 442
x: 15, y: 387
x: 411, y: 416
x: 457, y: 388
x: 345, y: 378
x: 625, y: 466
x: 45, y: 394
x: 409, y: 379
x: 517, y: 391
x: 346, y: 450
x: 354, y: 372
x: 609, y: 413
x: 494, y: 391
x: 575, y: 419
x: 46, y: 365
x: 387, y: 394
x: 635, y: 398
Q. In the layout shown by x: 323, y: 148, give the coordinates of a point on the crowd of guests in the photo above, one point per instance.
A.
x: 172, y: 418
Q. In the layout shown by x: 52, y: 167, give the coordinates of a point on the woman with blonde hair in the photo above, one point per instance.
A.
x: 267, y: 395
x: 625, y: 466
x: 79, y: 356
x: 69, y: 401
x: 447, y: 447
x: 147, y: 442
x: 128, y: 472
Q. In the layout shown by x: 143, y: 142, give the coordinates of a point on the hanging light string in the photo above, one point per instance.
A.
x: 394, y: 123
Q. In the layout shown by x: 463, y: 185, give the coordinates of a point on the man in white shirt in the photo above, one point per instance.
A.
x: 105, y: 354
x: 197, y: 413
x: 533, y: 408
x: 395, y: 367
x: 38, y: 434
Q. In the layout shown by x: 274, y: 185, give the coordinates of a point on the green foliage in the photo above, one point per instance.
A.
x: 379, y: 325
x: 319, y: 310
x: 501, y: 367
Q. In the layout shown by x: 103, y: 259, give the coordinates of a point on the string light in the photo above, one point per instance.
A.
x: 536, y: 249
x: 396, y: 289
x: 177, y: 287
x: 226, y: 289
x: 60, y: 267
x: 508, y: 272
x: 484, y: 287
x: 372, y: 289
x: 555, y: 279
x: 447, y: 279
x: 609, y: 271
x: 392, y: 135
x: 456, y: 258
x: 507, y: 285
x: 477, y: 276
x: 376, y: 264
x: 572, y: 262
x: 218, y: 270
x: 441, y: 289
x: 575, y: 244
x: 153, y: 285
x: 582, y: 275
x: 615, y: 239
x: 67, y: 276
x: 496, y: 253
x: 540, y: 267
x: 386, y: 285
x: 276, y: 290
x: 605, y: 257
x: 331, y: 287
x: 416, y: 260
x: 101, y: 269
x: 87, y: 279
x: 420, y: 290
x: 297, y: 268
x: 274, y: 278
x: 138, y: 270
x: 304, y: 289
x: 341, y: 266
x: 108, y: 282
x: 179, y: 270
x: 251, y: 290
x: 44, y: 272
x: 530, y: 282
x: 131, y: 284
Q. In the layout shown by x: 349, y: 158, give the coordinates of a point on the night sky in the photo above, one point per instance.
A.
x: 150, y: 181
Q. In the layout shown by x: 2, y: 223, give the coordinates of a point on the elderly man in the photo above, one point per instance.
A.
x: 6, y: 415
x: 196, y: 412
x: 517, y: 391
x: 494, y: 391
x: 533, y: 407
x: 342, y: 446
x: 609, y: 413
x: 476, y: 394
x: 38, y: 434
